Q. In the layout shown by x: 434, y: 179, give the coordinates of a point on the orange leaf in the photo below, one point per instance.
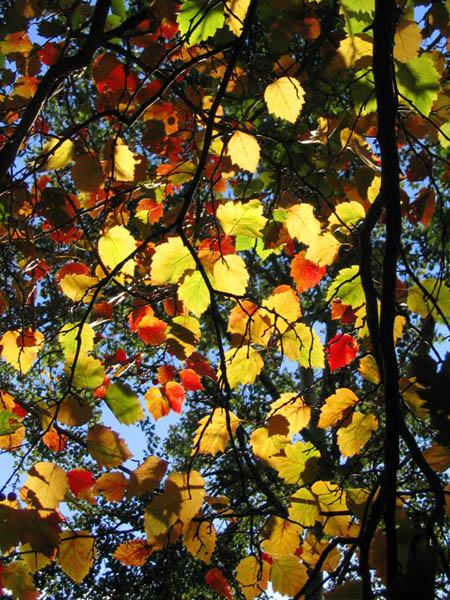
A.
x: 54, y: 440
x: 175, y: 395
x: 215, y: 579
x: 111, y: 485
x: 191, y: 380
x: 305, y: 273
x: 133, y: 553
x: 157, y: 403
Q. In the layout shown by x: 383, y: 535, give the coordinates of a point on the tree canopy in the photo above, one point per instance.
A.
x: 234, y: 211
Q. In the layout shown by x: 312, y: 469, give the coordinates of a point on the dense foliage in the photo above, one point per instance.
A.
x: 235, y: 211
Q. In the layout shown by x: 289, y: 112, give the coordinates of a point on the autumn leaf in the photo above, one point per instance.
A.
x: 45, y: 486
x: 355, y: 435
x: 147, y: 476
x: 237, y: 218
x: 244, y: 151
x: 157, y: 403
x: 175, y: 395
x: 285, y: 98
x: 80, y: 480
x: 133, y: 553
x: 336, y: 407
x: 124, y: 403
x: 211, y: 435
x: 114, y: 247
x: 305, y: 273
x: 190, y: 380
x: 170, y: 261
x: 76, y: 554
x: 293, y: 410
x: 215, y: 579
x: 282, y: 537
x: 242, y: 366
x: 17, y: 578
x: 302, y: 224
x: 252, y: 576
x: 288, y: 575
x: 20, y: 348
x: 197, y: 21
x: 200, y: 540
x: 106, y: 447
x: 111, y: 485
x: 341, y: 350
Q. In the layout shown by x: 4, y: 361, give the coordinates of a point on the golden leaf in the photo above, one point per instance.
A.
x: 353, y: 437
x: 252, y: 576
x: 45, y: 486
x: 211, y: 435
x: 336, y: 407
x: 76, y: 554
x: 244, y: 151
x: 285, y: 98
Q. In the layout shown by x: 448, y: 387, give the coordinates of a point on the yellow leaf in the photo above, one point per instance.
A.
x: 288, y: 575
x: 106, y: 447
x: 20, y: 348
x: 282, y: 307
x: 347, y: 213
x: 244, y: 151
x: 194, y: 293
x: 266, y: 446
x: 71, y: 334
x: 252, y: 576
x: 353, y: 53
x: 304, y: 508
x: 45, y: 486
x: 211, y: 435
x: 333, y: 499
x: 336, y: 407
x: 87, y: 173
x: 112, y: 485
x: 200, y: 539
x: 76, y: 554
x: 115, y: 246
x: 181, y: 500
x: 302, y: 224
x: 35, y: 561
x: 353, y: 437
x: 237, y: 218
x: 58, y: 158
x: 438, y: 457
x: 293, y: 409
x: 323, y: 250
x: 301, y: 343
x: 231, y: 275
x: 121, y: 161
x: 299, y: 465
x: 133, y: 553
x: 436, y: 295
x: 242, y: 366
x: 410, y: 390
x: 251, y: 324
x: 77, y: 287
x: 147, y: 476
x: 157, y: 404
x: 235, y: 11
x: 86, y: 373
x: 313, y: 549
x: 170, y: 261
x: 408, y: 39
x: 368, y: 369
x: 285, y: 98
x: 282, y: 537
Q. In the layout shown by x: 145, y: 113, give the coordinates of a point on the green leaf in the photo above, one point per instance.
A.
x: 170, y: 261
x: 246, y: 219
x: 347, y: 286
x: 418, y: 82
x: 194, y: 293
x: 124, y: 403
x: 198, y: 21
x: 9, y: 422
x: 68, y: 338
x: 438, y: 297
x: 88, y: 372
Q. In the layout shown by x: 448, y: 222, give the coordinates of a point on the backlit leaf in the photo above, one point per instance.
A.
x: 368, y: 369
x: 20, y: 348
x: 323, y: 250
x: 147, y: 476
x: 407, y: 41
x: 243, y: 366
x: 293, y: 409
x: 215, y: 579
x: 78, y: 287
x: 111, y: 485
x: 302, y: 223
x: 438, y: 457
x: 124, y: 403
x: 106, y: 447
x: 301, y: 343
x: 418, y: 82
x: 252, y: 576
x: 304, y: 508
x: 170, y: 261
x: 282, y: 537
x: 436, y: 296
x: 299, y: 465
x: 231, y: 275
x: 194, y: 293
x: 133, y: 553
x: 200, y: 540
x: 157, y: 403
x: 72, y: 336
x: 305, y: 273
x: 353, y: 437
x: 87, y: 173
x: 121, y: 162
x: 354, y: 52
x: 211, y: 435
x: 288, y: 575
x: 347, y: 286
x: 237, y: 218
x: 336, y: 407
x: 76, y: 554
x: 341, y: 350
x: 198, y: 21
x: 115, y: 246
x: 244, y: 151
x: 58, y: 158
x: 285, y: 98
x: 46, y: 485
x: 86, y: 373
x: 235, y: 11
x: 17, y: 578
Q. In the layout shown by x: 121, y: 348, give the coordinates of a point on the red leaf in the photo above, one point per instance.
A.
x: 344, y: 312
x: 200, y: 365
x: 19, y: 411
x: 191, y: 380
x: 120, y: 356
x: 175, y: 395
x: 219, y: 584
x: 80, y: 480
x: 341, y: 350
x: 166, y: 373
x: 305, y: 273
x: 49, y: 53
x: 267, y: 558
